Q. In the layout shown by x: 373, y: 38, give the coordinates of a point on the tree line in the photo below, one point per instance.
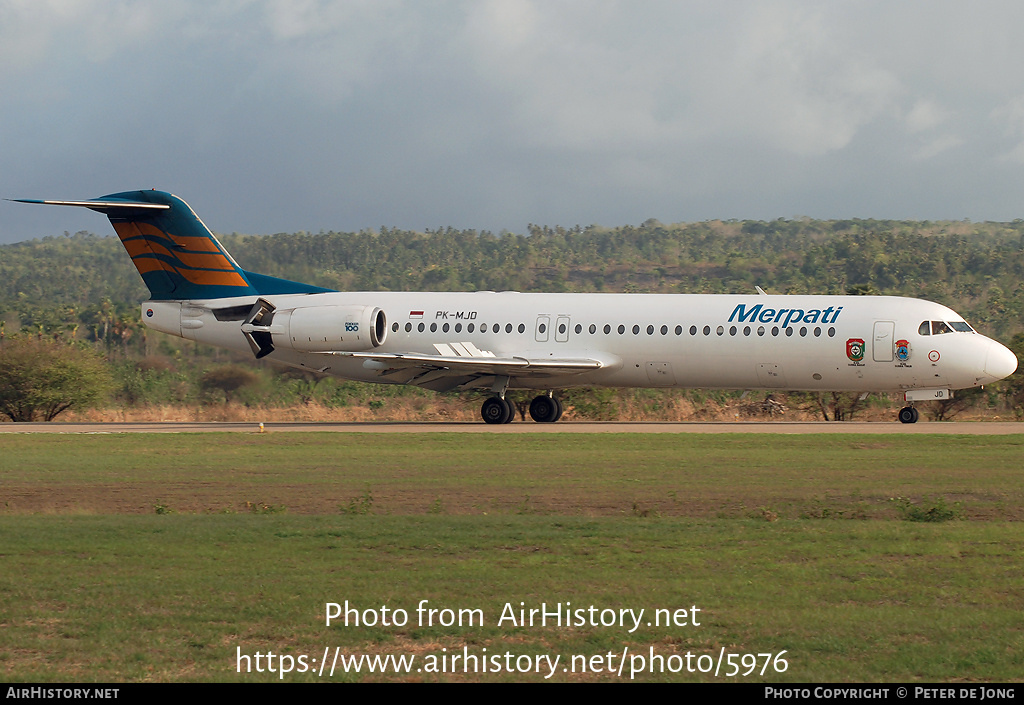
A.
x: 976, y: 268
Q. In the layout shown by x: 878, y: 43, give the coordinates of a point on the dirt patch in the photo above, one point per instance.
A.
x: 215, y: 498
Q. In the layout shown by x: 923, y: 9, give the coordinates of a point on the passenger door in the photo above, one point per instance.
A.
x: 882, y: 346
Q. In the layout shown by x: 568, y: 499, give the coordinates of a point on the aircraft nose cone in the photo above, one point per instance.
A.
x: 999, y: 362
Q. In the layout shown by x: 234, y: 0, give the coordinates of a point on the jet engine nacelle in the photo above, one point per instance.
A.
x: 314, y: 328
x: 325, y: 328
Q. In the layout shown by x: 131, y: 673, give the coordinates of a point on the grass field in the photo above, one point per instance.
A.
x: 164, y: 557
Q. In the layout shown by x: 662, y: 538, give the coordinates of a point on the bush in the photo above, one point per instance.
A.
x: 228, y: 379
x: 929, y: 510
x: 41, y: 378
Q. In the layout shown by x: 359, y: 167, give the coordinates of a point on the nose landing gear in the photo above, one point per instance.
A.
x: 908, y: 414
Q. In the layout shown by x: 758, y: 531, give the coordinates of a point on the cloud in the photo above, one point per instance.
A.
x: 925, y: 115
x: 926, y: 123
x: 1010, y: 117
x: 495, y: 113
x: 782, y: 73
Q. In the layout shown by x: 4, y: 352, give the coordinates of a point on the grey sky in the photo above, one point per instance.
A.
x: 274, y: 115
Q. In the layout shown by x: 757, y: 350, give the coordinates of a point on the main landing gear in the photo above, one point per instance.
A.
x: 543, y: 409
x: 908, y: 414
x: 498, y: 410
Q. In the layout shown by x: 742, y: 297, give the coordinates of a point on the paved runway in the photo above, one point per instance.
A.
x: 981, y: 428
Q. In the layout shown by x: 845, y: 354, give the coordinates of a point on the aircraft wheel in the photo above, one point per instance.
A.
x: 544, y: 409
x: 511, y: 411
x: 558, y: 403
x: 496, y: 410
x: 908, y: 414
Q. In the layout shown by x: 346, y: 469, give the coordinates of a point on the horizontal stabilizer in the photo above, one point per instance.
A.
x: 98, y: 205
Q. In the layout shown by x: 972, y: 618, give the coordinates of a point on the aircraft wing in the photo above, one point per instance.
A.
x: 461, y: 364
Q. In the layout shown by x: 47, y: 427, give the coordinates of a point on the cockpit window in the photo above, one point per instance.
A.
x: 939, y: 327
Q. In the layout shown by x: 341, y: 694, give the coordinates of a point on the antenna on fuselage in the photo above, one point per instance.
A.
x: 760, y: 290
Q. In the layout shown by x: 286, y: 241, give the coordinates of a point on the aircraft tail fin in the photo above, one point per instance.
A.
x: 176, y: 254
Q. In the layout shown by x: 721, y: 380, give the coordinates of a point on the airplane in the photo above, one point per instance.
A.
x: 506, y: 340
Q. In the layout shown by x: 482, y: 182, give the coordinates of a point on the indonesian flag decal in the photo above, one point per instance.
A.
x: 415, y: 314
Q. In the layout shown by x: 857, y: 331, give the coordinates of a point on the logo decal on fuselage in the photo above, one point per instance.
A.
x: 759, y: 314
x: 902, y: 350
x: 855, y: 349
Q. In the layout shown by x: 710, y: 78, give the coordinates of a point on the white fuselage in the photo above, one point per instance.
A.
x: 834, y: 343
